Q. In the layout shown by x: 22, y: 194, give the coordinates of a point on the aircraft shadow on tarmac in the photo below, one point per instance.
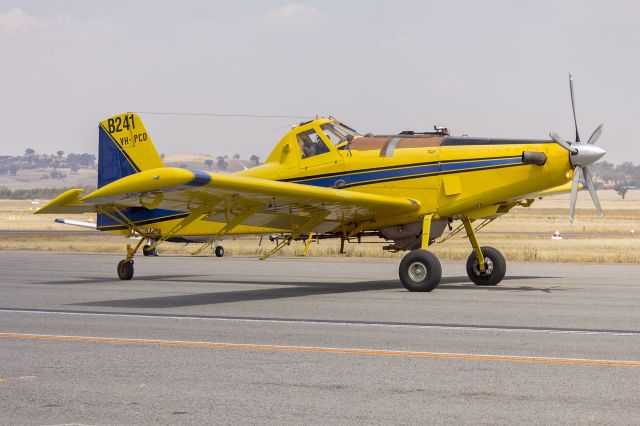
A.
x: 283, y: 290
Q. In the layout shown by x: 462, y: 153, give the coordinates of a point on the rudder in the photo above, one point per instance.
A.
x: 124, y: 148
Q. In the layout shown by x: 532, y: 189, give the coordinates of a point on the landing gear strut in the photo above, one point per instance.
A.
x: 486, y: 266
x: 125, y: 266
x: 495, y: 267
x: 420, y: 270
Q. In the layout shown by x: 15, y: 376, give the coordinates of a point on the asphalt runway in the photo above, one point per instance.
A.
x: 195, y: 340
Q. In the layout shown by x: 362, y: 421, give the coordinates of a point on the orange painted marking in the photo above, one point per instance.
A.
x: 311, y: 349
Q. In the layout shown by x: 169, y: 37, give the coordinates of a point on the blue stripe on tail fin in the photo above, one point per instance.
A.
x: 112, y: 163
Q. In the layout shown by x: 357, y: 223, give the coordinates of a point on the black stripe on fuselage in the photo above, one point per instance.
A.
x: 431, y: 174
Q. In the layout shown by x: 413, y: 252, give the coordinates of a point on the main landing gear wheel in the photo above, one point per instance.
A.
x: 219, y: 251
x: 420, y: 270
x: 125, y: 269
x: 495, y: 267
x: 148, y: 251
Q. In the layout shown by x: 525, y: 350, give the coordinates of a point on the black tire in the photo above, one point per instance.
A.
x: 147, y: 251
x: 420, y: 270
x: 125, y: 269
x: 495, y: 267
x: 219, y: 251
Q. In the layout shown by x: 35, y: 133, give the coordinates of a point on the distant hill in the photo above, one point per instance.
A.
x: 35, y: 178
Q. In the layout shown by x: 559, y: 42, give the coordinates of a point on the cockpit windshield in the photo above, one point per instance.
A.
x: 338, y: 132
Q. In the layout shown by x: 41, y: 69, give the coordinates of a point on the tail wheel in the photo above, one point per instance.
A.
x: 420, y: 270
x: 125, y: 269
x: 495, y: 267
x: 219, y: 251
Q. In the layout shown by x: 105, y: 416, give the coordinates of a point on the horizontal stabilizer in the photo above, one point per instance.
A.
x: 67, y: 203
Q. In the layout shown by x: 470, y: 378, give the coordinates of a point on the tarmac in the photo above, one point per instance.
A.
x: 194, y: 340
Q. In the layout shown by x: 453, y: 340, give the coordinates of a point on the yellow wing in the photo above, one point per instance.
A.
x: 235, y: 200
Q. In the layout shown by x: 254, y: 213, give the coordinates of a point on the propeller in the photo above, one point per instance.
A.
x: 582, y: 154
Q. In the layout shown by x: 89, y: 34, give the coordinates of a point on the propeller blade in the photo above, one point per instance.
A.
x: 566, y: 145
x: 573, y: 107
x: 595, y: 135
x: 574, y: 192
x: 592, y: 190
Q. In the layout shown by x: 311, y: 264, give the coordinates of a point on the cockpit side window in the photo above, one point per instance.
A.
x: 311, y: 144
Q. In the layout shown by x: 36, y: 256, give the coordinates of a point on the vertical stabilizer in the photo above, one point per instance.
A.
x: 124, y: 148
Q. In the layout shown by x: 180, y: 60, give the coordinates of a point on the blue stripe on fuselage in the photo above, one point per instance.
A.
x: 355, y: 178
x: 200, y: 178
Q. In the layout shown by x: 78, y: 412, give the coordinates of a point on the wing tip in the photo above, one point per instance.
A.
x: 72, y: 196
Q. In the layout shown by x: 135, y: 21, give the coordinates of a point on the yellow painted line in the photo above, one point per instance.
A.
x: 313, y: 349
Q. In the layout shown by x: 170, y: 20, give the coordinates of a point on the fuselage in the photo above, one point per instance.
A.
x: 447, y: 175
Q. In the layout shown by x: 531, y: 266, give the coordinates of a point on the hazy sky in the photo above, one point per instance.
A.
x: 483, y: 68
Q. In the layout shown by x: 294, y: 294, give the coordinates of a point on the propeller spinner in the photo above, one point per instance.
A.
x: 581, y: 155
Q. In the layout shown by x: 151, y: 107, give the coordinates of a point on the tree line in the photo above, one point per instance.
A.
x: 222, y: 163
x: 10, y: 164
x: 619, y: 177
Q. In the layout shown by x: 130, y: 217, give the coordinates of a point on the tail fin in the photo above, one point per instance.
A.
x: 124, y: 148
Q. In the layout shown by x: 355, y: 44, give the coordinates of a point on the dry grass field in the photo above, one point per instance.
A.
x: 523, y: 235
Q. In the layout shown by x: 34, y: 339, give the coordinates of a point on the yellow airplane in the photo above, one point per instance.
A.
x: 325, y: 178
